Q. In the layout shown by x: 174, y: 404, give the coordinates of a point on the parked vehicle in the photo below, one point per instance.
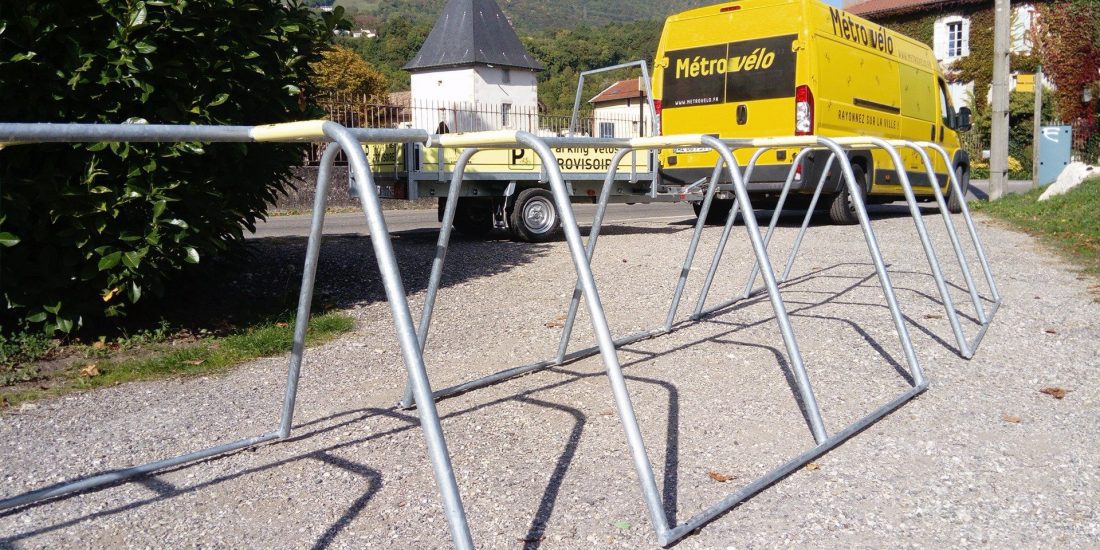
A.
x: 798, y: 67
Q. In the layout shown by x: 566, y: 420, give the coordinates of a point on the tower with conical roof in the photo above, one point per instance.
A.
x: 473, y: 73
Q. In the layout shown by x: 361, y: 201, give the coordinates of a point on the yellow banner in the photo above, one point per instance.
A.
x: 388, y: 158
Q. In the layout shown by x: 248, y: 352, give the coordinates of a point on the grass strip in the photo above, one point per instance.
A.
x: 210, y: 355
x: 1070, y: 222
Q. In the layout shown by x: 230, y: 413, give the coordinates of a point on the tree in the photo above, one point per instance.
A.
x: 87, y: 230
x: 344, y: 71
x: 1070, y: 40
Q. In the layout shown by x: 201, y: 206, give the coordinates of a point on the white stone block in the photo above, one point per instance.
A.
x: 1071, y: 177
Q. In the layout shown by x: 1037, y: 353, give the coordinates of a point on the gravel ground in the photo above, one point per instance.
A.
x: 981, y: 458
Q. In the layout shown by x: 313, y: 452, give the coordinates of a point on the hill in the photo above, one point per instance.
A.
x: 529, y: 16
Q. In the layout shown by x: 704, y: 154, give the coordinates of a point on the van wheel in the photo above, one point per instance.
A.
x: 841, y: 209
x: 534, y: 218
x: 719, y: 211
x: 954, y: 205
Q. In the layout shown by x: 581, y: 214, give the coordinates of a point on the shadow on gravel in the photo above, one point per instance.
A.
x: 792, y: 217
x: 348, y: 259
x: 264, y: 280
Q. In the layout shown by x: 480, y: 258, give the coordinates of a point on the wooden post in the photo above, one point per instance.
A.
x: 1036, y: 129
x: 998, y: 147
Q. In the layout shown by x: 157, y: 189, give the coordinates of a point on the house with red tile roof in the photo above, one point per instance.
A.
x: 621, y: 110
x: 951, y: 32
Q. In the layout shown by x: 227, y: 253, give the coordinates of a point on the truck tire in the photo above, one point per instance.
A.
x: 534, y: 217
x: 473, y: 216
x: 719, y: 211
x: 841, y: 211
x: 954, y: 206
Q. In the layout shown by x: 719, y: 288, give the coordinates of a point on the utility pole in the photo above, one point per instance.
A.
x: 998, y: 146
x: 1036, y: 129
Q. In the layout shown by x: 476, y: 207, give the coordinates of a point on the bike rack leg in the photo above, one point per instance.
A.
x: 594, y: 233
x: 775, y: 218
x: 700, y: 312
x: 875, y: 251
x: 305, y: 295
x: 712, y: 272
x: 926, y: 243
x: 817, y: 425
x: 407, y: 401
x: 689, y: 259
x: 301, y: 325
x: 724, y: 239
x: 436, y: 277
x: 806, y: 222
x: 602, y: 331
x: 717, y: 258
x: 951, y: 233
x: 960, y: 193
x: 406, y: 335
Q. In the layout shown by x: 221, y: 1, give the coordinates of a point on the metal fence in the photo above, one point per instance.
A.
x: 1085, y: 145
x: 362, y: 111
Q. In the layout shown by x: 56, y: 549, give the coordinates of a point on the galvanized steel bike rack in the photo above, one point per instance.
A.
x: 349, y: 142
x: 606, y: 345
x: 965, y: 348
x: 412, y: 341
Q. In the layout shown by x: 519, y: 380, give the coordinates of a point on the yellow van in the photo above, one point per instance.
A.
x: 759, y: 68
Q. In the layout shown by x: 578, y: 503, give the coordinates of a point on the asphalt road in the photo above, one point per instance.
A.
x: 411, y: 220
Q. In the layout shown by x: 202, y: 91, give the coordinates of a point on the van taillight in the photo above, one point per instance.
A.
x: 803, y: 111
x: 657, y: 113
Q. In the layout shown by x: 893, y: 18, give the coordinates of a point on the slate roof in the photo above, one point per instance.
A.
x: 472, y: 32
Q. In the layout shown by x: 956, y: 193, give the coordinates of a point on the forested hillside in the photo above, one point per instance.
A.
x: 567, y: 37
x: 565, y: 53
x: 532, y: 15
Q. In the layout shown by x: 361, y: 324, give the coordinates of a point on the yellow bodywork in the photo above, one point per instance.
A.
x: 866, y: 80
x: 391, y: 158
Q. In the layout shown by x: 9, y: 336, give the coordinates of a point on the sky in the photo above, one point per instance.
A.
x: 836, y: 3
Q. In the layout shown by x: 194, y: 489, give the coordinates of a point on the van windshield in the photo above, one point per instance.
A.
x: 946, y: 109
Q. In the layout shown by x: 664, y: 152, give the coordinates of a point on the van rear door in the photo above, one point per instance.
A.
x: 731, y: 69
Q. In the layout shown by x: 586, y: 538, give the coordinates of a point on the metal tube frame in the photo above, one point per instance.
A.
x: 606, y: 346
x: 966, y: 349
x: 412, y: 341
x: 349, y: 142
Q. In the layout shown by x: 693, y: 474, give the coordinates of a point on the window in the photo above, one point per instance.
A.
x: 951, y: 38
x: 607, y: 129
x: 506, y: 115
x: 955, y: 39
x: 506, y: 76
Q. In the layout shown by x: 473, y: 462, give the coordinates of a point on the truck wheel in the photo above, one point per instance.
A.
x: 954, y: 206
x: 534, y: 218
x: 841, y: 210
x: 719, y: 211
x: 473, y: 216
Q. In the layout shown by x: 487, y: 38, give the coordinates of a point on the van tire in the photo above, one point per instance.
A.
x: 841, y: 211
x: 954, y: 206
x: 719, y: 211
x: 534, y: 216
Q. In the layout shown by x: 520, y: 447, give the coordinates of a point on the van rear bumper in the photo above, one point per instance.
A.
x: 766, y: 178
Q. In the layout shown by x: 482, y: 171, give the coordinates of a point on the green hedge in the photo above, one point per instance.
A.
x: 88, y: 230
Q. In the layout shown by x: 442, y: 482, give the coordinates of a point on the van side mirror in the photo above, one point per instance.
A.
x: 962, y: 120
